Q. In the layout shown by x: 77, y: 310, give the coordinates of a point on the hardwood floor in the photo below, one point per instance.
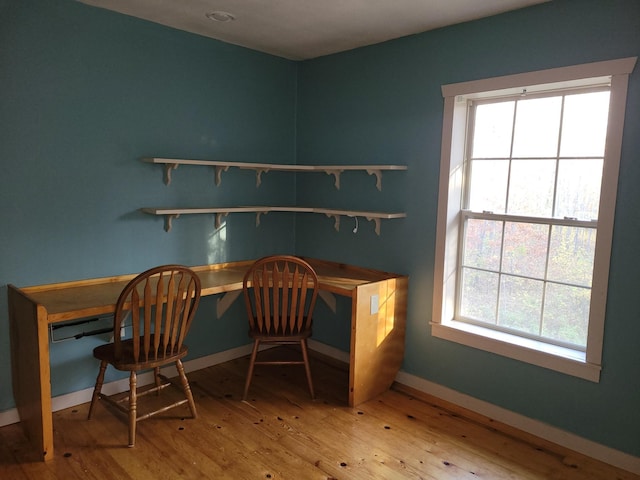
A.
x: 280, y: 433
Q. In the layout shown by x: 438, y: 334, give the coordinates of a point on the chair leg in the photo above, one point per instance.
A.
x: 98, y: 387
x: 133, y: 408
x: 186, y: 388
x: 252, y: 362
x: 158, y: 380
x: 305, y: 356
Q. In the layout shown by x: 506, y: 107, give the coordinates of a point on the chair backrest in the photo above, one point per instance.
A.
x: 280, y: 294
x: 161, y: 303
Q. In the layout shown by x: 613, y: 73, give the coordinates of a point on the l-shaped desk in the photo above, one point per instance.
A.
x: 378, y: 316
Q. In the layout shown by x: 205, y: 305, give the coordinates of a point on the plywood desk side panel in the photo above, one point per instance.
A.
x: 377, y: 340
x: 31, y: 378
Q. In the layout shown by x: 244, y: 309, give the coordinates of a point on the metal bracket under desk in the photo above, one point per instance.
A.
x: 74, y: 330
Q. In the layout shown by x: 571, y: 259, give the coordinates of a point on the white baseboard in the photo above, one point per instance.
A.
x: 328, y: 350
x: 539, y: 429
x: 8, y: 417
x: 534, y: 427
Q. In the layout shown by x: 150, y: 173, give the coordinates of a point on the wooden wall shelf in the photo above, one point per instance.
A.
x: 219, y: 212
x: 260, y: 168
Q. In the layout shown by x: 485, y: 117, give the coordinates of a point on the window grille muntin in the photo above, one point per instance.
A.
x: 532, y: 316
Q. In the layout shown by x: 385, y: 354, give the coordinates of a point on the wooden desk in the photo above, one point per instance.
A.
x: 377, y: 340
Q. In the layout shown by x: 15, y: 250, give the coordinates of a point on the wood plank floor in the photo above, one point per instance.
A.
x: 281, y: 434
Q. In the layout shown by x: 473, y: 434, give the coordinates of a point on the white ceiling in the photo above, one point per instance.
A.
x: 303, y: 29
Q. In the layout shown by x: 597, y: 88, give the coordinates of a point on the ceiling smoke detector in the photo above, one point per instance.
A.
x: 220, y: 16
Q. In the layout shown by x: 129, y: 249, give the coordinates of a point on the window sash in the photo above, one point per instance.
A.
x: 467, y: 215
x: 564, y: 222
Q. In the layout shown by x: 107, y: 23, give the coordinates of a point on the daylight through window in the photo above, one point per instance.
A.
x: 530, y: 216
x: 526, y: 204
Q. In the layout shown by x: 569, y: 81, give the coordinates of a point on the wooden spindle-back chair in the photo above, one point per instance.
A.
x: 161, y: 303
x: 280, y: 295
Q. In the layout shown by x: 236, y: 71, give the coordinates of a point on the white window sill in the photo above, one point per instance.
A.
x: 560, y: 359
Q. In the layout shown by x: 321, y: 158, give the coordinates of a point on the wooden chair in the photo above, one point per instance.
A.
x: 280, y: 294
x: 161, y: 303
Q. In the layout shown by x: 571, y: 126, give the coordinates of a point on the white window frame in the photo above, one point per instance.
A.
x: 584, y: 364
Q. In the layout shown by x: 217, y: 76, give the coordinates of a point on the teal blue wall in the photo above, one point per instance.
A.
x: 86, y: 93
x: 383, y: 104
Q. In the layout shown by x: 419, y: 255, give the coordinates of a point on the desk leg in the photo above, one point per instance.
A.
x: 31, y: 378
x: 377, y: 340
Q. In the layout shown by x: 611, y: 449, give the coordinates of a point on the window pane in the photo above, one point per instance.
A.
x: 482, y: 244
x: 579, y: 189
x: 520, y: 305
x: 525, y: 249
x: 537, y: 127
x: 488, y: 190
x: 566, y: 314
x: 479, y: 295
x: 492, y: 131
x: 531, y: 187
x: 571, y: 253
x: 584, y: 125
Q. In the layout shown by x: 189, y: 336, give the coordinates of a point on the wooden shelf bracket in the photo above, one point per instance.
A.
x: 376, y: 221
x: 219, y: 169
x: 167, y: 172
x: 168, y: 219
x: 378, y: 174
x: 336, y: 176
x: 336, y: 220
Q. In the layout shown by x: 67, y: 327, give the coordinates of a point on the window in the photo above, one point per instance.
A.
x: 528, y: 181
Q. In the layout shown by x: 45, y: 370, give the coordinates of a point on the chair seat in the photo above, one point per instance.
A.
x: 269, y: 337
x: 281, y: 336
x: 126, y: 360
